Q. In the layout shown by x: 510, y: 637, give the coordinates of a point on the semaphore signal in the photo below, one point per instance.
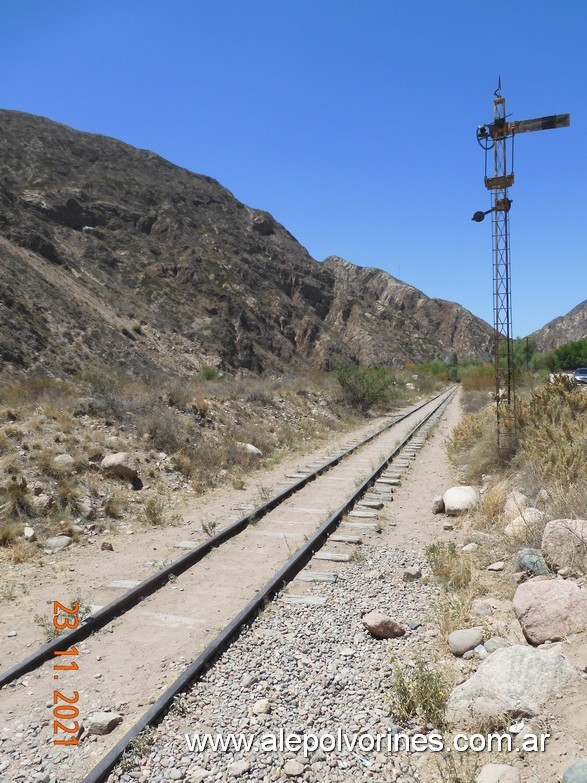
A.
x: 497, y: 137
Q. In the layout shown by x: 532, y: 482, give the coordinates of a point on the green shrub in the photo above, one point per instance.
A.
x: 365, y: 387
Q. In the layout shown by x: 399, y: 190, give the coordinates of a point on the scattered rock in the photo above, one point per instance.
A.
x: 498, y: 566
x: 107, y: 546
x: 464, y: 639
x: 550, y: 609
x: 262, y: 707
x: 381, y: 626
x: 459, y: 499
x: 495, y: 643
x: 119, y: 465
x: 576, y: 773
x: 411, y: 573
x: 250, y: 449
x: 29, y: 533
x: 438, y: 505
x: 238, y: 768
x: 64, y: 461
x: 498, y: 773
x: 11, y: 634
x: 374, y: 575
x: 564, y: 544
x: 293, y: 768
x: 522, y: 526
x: 515, y: 680
x: 102, y: 722
x: 468, y: 549
x: 448, y: 526
x: 532, y: 560
x: 515, y: 503
x: 57, y: 543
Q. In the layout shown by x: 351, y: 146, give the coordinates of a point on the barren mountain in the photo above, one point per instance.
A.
x: 112, y: 253
x: 564, y: 329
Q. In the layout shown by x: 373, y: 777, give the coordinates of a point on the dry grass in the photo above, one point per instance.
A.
x: 449, y: 566
x: 418, y: 691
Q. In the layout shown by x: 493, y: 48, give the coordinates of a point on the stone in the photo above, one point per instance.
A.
x: 57, y: 543
x: 261, y: 707
x: 11, y: 634
x: 85, y: 507
x: 238, y: 768
x: 576, y: 773
x: 198, y: 774
x: 102, y: 722
x: 29, y: 533
x: 498, y: 566
x: 524, y: 525
x: 495, y: 643
x: 411, y: 573
x: 532, y: 560
x: 119, y: 465
x: 468, y: 549
x: 515, y: 680
x: 250, y: 449
x: 514, y: 505
x: 64, y: 461
x: 464, y: 639
x: 550, y: 609
x: 107, y: 546
x: 438, y: 505
x: 459, y: 499
x: 564, y: 544
x: 498, y: 773
x: 293, y: 768
x: 382, y: 627
x: 175, y: 774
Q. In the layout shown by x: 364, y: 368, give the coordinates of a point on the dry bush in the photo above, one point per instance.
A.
x: 113, y: 507
x: 473, y: 445
x: 21, y: 552
x: 449, y: 566
x: 183, y: 463
x: 10, y: 532
x: 15, y: 500
x: 475, y: 400
x: 553, y: 433
x: 418, y: 691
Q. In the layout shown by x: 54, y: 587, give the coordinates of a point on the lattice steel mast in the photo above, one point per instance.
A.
x: 497, y: 136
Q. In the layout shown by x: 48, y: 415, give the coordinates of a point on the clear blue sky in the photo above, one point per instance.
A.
x: 351, y: 121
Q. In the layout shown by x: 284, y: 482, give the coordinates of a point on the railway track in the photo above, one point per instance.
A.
x: 292, y: 526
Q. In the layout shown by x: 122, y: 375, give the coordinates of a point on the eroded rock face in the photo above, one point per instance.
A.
x: 564, y: 544
x: 550, y: 609
x: 514, y: 681
x: 141, y: 233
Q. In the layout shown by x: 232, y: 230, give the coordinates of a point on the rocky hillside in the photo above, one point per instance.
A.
x: 564, y: 329
x: 112, y: 253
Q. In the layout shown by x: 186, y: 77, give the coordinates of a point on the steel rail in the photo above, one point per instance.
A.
x: 154, y: 582
x: 293, y: 566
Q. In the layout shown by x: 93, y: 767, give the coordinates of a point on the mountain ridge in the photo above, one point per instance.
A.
x: 114, y: 254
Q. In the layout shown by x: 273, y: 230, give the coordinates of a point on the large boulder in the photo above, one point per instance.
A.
x: 514, y: 681
x: 576, y: 773
x: 524, y: 526
x: 459, y: 499
x: 550, y: 609
x: 564, y: 544
x: 119, y: 465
